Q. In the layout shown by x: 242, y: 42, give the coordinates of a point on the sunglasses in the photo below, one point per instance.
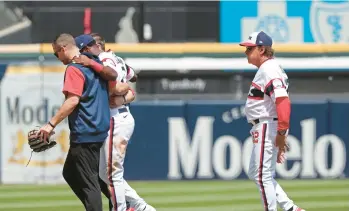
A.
x: 59, y: 50
x: 250, y: 48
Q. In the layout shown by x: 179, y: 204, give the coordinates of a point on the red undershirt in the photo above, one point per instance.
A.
x: 73, y: 82
x: 283, y: 108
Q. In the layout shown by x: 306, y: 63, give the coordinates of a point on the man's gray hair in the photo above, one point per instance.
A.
x: 64, y: 40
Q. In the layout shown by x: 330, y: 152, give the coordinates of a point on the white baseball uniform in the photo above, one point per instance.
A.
x: 269, y: 83
x: 122, y: 125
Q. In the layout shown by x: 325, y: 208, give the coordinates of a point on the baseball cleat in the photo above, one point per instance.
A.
x: 149, y: 208
x: 128, y: 207
x: 296, y: 208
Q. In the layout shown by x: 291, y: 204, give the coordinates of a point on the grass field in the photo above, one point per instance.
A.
x: 312, y: 195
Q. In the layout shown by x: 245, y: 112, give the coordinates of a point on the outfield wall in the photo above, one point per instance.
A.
x: 172, y: 140
x: 185, y: 140
x: 210, y: 140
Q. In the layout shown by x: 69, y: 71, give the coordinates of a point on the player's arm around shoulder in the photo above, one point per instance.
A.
x: 106, y: 72
x: 106, y: 69
x: 131, y: 75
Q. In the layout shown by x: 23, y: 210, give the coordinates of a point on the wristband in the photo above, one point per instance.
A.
x: 96, y: 66
x: 51, y: 124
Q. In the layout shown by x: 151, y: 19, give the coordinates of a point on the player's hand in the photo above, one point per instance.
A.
x: 45, y: 132
x: 281, y: 157
x: 280, y: 143
x: 82, y: 59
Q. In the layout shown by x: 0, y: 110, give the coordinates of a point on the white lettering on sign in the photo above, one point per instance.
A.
x: 203, y: 157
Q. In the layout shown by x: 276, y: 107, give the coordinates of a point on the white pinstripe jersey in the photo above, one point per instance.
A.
x: 269, y: 83
x: 125, y: 72
x: 118, y: 64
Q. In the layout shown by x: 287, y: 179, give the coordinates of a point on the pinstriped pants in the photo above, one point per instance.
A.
x: 111, y: 169
x: 263, y: 164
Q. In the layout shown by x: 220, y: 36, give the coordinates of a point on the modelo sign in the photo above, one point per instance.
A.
x: 203, y: 157
x: 212, y: 152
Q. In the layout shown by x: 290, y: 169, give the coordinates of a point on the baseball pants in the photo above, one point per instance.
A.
x: 133, y: 198
x: 263, y: 164
x: 130, y: 194
x: 113, y: 152
x: 80, y: 171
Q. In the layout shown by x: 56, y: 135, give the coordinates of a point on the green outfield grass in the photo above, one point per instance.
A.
x: 238, y: 195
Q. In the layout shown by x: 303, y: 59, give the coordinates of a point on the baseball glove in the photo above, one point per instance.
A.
x: 38, y: 145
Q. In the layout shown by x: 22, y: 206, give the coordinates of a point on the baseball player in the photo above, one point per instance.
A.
x: 122, y: 125
x: 268, y: 110
x: 134, y: 201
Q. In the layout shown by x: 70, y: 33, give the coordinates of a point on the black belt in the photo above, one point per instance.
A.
x: 256, y: 121
x: 122, y: 110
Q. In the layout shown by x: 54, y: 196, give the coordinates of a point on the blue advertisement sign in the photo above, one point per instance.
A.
x: 203, y: 140
x: 286, y: 21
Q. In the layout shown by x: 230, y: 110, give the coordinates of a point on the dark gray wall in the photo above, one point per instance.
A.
x: 219, y: 82
x: 170, y: 21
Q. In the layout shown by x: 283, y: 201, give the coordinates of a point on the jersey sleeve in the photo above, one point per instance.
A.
x: 275, y: 84
x: 73, y: 81
x: 110, y: 60
x: 130, y: 72
x: 122, y: 69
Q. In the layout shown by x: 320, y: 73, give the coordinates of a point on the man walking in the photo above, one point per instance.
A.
x: 268, y: 110
x: 122, y: 124
x: 86, y: 105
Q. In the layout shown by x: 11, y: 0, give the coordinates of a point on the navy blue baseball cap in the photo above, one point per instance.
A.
x: 84, y: 40
x: 258, y: 38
